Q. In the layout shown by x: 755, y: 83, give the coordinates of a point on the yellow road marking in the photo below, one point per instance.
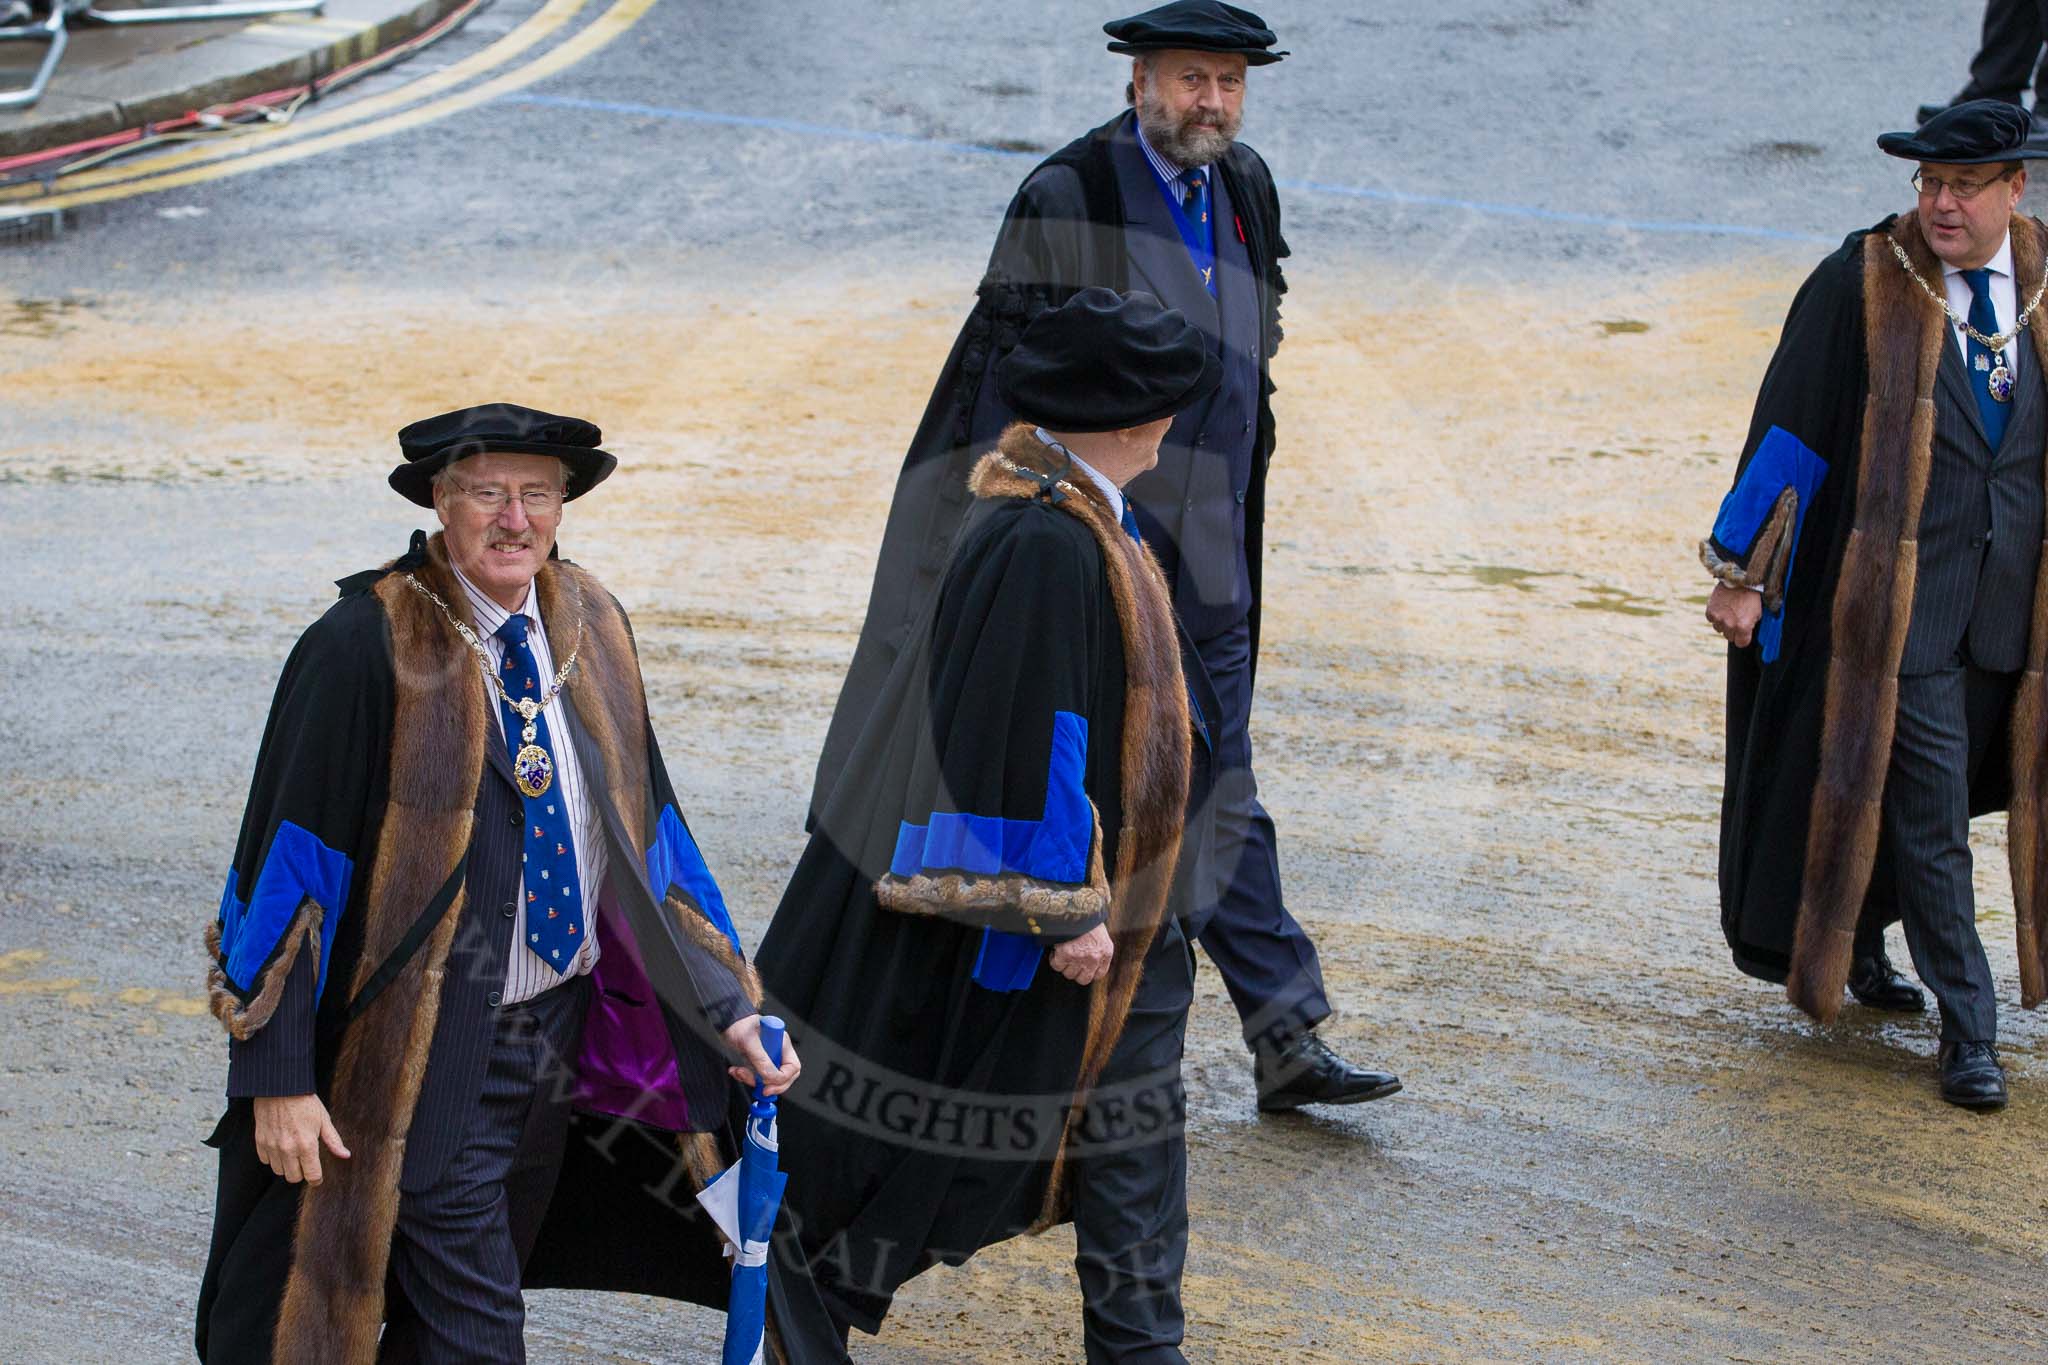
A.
x: 165, y: 1002
x: 599, y: 32
x: 52, y: 987
x: 538, y: 26
x: 21, y: 957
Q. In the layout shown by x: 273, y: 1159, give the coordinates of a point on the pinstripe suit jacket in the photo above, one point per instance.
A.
x: 1980, y: 525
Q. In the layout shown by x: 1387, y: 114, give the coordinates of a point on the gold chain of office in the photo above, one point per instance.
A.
x: 1997, y: 343
x: 532, y: 766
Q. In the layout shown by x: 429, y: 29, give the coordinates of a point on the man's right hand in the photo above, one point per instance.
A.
x: 1735, y: 613
x: 1081, y: 960
x: 290, y: 1130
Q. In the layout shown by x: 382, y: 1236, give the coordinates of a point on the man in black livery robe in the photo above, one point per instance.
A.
x: 1164, y: 199
x: 977, y: 946
x: 1882, y: 589
x: 479, y: 987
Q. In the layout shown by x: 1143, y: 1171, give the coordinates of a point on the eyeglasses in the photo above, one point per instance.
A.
x: 1191, y: 81
x: 537, y: 501
x: 1931, y: 186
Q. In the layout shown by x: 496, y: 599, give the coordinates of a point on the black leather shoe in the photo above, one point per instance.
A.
x: 1301, y: 1069
x: 1971, y: 1076
x: 1876, y: 983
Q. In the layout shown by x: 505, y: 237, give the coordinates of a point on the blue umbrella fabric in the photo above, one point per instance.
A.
x: 743, y: 1202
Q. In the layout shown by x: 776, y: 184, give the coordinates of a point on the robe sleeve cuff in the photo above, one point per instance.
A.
x: 1770, y: 554
x: 242, y: 1013
x: 1756, y: 534
x: 1007, y: 901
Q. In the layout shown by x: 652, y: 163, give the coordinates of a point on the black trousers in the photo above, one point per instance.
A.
x: 1948, y: 723
x: 459, y: 1246
x: 1262, y: 953
x: 1130, y: 1175
x: 2010, y: 57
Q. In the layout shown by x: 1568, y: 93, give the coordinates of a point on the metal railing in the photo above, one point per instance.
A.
x: 18, y: 24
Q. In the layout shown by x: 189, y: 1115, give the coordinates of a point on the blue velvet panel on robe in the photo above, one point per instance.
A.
x: 297, y: 868
x: 1053, y: 848
x: 674, y: 861
x: 1781, y: 461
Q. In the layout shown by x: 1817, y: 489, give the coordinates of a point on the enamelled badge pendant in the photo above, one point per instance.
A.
x: 532, y: 767
x: 2000, y: 381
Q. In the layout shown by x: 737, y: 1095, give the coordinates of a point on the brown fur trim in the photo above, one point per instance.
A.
x: 240, y: 1020
x: 1769, y: 554
x: 1155, y: 759
x: 701, y: 1157
x: 334, y: 1299
x: 2026, y: 831
x: 979, y: 899
x: 610, y: 698
x: 706, y: 936
x: 1873, y: 606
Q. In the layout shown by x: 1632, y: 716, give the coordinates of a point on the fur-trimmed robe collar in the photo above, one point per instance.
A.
x: 1155, y: 759
x: 1904, y: 332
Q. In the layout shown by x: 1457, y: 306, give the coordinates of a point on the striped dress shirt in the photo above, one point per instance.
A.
x: 527, y: 975
x: 1172, y: 176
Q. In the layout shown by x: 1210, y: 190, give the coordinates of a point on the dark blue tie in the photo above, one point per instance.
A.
x: 1985, y: 319
x: 1131, y: 523
x: 1194, y: 200
x: 554, y: 898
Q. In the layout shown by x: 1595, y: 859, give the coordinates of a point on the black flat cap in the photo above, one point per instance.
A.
x: 431, y: 444
x: 1967, y: 134
x: 1103, y: 361
x: 1199, y: 25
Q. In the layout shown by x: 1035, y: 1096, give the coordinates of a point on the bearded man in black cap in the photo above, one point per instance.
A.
x: 1881, y: 586
x: 981, y: 942
x: 476, y: 978
x: 1162, y: 198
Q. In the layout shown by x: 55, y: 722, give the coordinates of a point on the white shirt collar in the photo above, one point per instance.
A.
x: 2000, y: 264
x: 485, y: 611
x: 1109, y: 490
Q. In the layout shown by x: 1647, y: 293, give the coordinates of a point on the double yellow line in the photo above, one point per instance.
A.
x: 409, y: 106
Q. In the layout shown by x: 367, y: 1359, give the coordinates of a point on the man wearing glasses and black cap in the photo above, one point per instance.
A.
x: 464, y: 924
x: 1161, y: 198
x: 1880, y: 585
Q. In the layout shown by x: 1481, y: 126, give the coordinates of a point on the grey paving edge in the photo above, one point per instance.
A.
x: 163, y: 85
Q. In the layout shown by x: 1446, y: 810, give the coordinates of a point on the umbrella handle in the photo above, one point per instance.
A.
x: 772, y: 1032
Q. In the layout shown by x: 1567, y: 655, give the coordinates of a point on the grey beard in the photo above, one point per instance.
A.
x: 1185, y: 145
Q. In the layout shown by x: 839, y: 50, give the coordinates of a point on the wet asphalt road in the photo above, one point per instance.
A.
x: 1612, y: 1147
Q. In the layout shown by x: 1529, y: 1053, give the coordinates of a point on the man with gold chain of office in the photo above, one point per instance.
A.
x: 1880, y: 583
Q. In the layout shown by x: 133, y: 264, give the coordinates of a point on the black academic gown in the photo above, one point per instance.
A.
x: 932, y: 1108
x: 1808, y: 433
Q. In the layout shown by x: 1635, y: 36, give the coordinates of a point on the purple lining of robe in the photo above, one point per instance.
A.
x: 627, y: 1063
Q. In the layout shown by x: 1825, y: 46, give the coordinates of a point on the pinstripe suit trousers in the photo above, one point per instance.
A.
x: 460, y: 1243
x: 1948, y: 721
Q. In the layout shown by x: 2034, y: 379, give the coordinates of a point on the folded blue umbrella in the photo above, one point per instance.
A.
x: 761, y: 1180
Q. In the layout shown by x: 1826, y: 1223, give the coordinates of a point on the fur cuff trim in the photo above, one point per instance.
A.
x: 1008, y: 901
x: 1770, y: 554
x: 242, y: 1018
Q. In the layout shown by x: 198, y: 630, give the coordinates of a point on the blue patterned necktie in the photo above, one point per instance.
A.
x: 1194, y: 201
x: 554, y: 907
x: 1130, y: 523
x: 1985, y: 319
